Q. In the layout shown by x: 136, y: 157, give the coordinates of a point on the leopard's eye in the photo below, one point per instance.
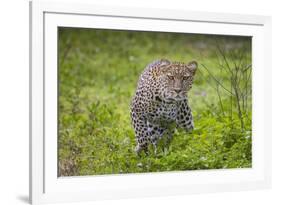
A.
x: 186, y: 77
x: 171, y: 77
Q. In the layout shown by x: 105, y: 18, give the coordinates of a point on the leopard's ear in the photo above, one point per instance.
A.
x: 159, y: 66
x: 159, y: 63
x: 164, y: 62
x: 192, y: 67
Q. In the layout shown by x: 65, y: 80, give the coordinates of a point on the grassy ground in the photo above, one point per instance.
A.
x: 98, y: 72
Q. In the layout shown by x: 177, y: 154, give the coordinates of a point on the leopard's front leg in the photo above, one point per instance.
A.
x: 184, y: 117
x: 141, y: 132
x: 155, y: 133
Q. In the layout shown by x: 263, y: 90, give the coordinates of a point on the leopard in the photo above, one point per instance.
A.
x: 160, y: 104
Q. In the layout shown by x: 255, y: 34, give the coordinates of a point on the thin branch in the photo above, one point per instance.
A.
x: 218, y: 92
x: 216, y: 79
x: 65, y: 53
x: 222, y: 53
x: 206, y: 79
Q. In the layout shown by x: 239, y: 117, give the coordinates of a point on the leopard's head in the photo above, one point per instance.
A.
x: 176, y: 80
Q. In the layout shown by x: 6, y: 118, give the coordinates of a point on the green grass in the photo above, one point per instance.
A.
x: 98, y: 73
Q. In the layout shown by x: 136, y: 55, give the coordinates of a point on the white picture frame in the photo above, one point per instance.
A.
x: 46, y: 186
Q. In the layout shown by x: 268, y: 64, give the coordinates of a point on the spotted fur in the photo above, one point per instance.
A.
x: 160, y: 103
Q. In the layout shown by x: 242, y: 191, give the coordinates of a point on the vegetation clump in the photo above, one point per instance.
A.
x: 98, y: 72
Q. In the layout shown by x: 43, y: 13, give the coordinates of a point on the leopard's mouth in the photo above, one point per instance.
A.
x: 179, y: 97
x: 172, y: 96
x: 175, y: 98
x: 169, y: 99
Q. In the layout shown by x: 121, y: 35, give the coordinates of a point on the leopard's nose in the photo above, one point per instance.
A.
x: 177, y: 90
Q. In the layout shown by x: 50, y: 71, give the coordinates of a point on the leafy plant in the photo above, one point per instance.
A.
x: 98, y: 72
